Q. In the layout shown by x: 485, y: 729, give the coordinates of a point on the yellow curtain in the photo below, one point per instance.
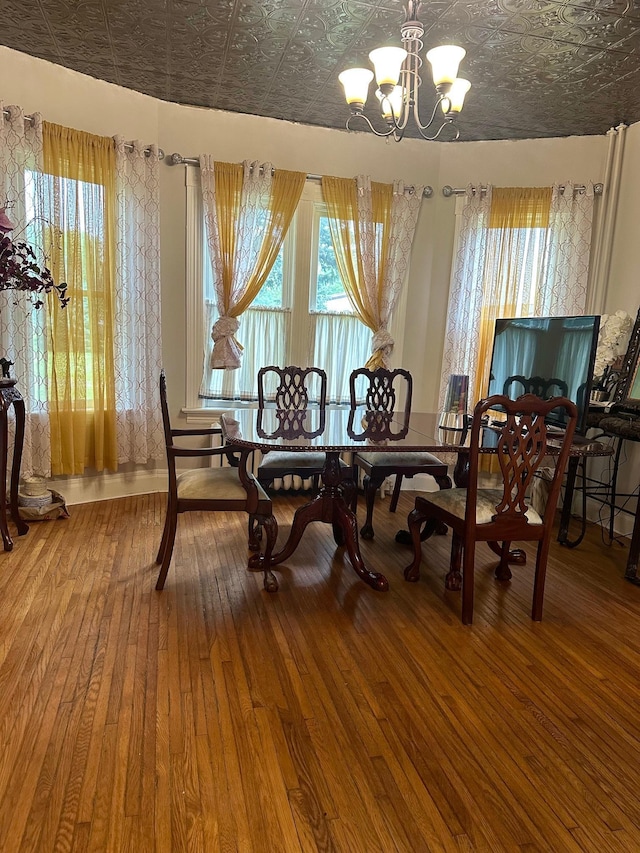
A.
x: 286, y: 189
x: 229, y: 178
x: 81, y: 205
x: 507, y: 290
x: 356, y: 269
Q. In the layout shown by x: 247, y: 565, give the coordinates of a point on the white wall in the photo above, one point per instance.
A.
x: 75, y: 100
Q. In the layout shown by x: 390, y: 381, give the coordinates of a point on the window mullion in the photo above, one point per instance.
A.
x: 301, y: 340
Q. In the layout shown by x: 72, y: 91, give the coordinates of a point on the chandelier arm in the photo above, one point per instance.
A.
x: 446, y: 123
x: 392, y: 130
x: 416, y: 116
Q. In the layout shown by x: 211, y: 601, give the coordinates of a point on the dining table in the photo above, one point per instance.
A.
x: 337, y: 431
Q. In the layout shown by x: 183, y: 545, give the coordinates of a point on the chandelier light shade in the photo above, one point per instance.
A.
x: 397, y: 73
x: 445, y: 61
x: 356, y: 86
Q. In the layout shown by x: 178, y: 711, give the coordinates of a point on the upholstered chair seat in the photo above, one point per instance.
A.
x: 211, y: 484
x: 298, y: 462
x: 454, y: 501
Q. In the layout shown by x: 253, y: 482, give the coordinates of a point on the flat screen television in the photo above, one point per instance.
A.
x: 546, y: 356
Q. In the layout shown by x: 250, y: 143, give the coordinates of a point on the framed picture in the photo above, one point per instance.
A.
x: 628, y: 390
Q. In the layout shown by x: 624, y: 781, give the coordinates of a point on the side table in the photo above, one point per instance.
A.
x: 10, y: 396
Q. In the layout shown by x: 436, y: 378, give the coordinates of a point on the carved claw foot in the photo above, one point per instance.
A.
x: 453, y: 581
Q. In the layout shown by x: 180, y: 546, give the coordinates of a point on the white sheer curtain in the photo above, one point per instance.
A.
x: 553, y: 265
x: 22, y: 328
x: 461, y: 340
x: 137, y: 335
x: 405, y: 207
x: 339, y: 347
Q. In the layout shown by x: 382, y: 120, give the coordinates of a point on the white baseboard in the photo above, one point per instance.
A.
x: 80, y: 490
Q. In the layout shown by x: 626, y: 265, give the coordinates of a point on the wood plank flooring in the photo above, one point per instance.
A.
x: 327, y: 717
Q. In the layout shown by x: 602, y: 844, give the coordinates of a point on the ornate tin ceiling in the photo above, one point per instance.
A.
x: 538, y: 67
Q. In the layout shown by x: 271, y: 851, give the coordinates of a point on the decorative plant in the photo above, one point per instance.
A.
x: 612, y: 342
x: 20, y: 270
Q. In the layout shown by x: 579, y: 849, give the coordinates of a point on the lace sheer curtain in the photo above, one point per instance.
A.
x: 23, y: 329
x: 137, y: 336
x: 248, y: 209
x: 372, y: 228
x: 546, y: 269
x: 461, y: 341
x: 564, y: 285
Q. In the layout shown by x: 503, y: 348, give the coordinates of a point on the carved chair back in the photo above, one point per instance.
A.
x: 537, y: 385
x: 522, y: 444
x: 294, y: 386
x: 382, y: 388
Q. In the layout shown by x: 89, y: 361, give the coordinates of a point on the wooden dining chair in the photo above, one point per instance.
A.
x: 379, y: 391
x: 214, y: 489
x: 291, y: 388
x: 502, y: 514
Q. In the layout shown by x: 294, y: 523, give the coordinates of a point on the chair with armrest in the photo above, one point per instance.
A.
x: 289, y: 388
x: 502, y: 514
x: 213, y: 490
x: 379, y: 391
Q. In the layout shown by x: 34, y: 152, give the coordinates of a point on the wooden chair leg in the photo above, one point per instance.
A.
x: 371, y: 486
x: 539, y: 579
x: 255, y: 532
x: 415, y: 519
x: 503, y: 572
x: 271, y: 529
x: 163, y: 541
x: 168, y: 549
x: 396, y: 493
x: 468, y: 566
x: 453, y: 579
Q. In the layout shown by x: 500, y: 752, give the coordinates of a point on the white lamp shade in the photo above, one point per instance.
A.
x: 388, y: 61
x: 356, y: 84
x: 444, y: 62
x: 455, y: 95
x: 391, y: 104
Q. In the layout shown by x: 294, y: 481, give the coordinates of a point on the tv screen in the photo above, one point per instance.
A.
x: 548, y: 357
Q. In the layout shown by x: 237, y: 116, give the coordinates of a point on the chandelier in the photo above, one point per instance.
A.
x: 397, y: 72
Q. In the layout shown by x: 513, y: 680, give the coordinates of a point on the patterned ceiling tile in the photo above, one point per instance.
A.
x: 281, y: 58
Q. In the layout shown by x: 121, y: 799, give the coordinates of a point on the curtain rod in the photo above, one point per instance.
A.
x: 179, y: 160
x: 128, y: 145
x: 448, y: 191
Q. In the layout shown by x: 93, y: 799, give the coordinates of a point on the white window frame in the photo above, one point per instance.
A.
x: 298, y: 265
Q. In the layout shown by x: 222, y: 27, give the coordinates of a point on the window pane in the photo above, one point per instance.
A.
x: 270, y: 295
x: 330, y: 293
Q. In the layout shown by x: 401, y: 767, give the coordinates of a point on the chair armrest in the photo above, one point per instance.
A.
x: 227, y: 451
x: 200, y: 431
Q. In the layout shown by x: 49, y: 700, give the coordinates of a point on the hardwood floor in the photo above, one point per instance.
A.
x: 215, y: 717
